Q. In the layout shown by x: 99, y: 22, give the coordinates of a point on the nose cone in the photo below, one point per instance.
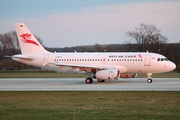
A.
x: 171, y: 66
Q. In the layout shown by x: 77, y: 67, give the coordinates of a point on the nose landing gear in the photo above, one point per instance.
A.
x: 149, y: 77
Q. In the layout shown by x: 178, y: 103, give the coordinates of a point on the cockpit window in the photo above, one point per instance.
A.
x: 166, y: 59
x: 162, y: 59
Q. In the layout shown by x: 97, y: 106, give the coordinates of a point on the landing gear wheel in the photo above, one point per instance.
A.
x: 149, y: 80
x: 89, y: 80
x: 101, y: 80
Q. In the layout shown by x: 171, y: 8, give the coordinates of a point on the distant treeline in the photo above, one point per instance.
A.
x: 170, y: 50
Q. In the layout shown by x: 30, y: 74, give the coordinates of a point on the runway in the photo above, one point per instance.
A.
x: 78, y: 84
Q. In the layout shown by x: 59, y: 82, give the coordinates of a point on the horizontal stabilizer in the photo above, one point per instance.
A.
x: 6, y: 56
x: 20, y: 56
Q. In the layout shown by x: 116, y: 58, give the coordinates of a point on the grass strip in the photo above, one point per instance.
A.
x: 92, y: 105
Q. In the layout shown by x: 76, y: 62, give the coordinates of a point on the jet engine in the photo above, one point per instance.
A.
x: 128, y: 75
x: 106, y: 74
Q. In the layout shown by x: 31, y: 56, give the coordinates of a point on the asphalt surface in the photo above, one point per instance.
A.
x: 78, y: 84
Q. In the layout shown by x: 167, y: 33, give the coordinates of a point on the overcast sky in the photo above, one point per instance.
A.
x: 68, y: 23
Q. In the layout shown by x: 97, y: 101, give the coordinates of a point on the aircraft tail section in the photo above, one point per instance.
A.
x: 28, y: 43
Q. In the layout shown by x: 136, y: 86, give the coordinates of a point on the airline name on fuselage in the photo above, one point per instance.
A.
x: 122, y: 56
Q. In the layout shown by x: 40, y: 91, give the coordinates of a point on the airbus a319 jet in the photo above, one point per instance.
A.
x: 101, y: 66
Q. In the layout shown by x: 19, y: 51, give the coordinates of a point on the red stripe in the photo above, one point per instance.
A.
x: 30, y: 41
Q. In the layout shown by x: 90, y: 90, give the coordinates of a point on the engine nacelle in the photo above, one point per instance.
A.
x: 128, y: 75
x: 106, y: 75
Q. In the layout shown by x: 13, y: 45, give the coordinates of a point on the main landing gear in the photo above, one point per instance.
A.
x: 149, y: 77
x: 90, y: 80
x: 101, y: 80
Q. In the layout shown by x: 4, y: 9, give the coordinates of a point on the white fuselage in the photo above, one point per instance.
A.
x: 125, y: 62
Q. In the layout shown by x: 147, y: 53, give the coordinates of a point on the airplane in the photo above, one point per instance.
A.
x: 101, y: 66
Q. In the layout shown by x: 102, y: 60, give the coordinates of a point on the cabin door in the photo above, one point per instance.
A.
x: 45, y: 60
x: 147, y: 60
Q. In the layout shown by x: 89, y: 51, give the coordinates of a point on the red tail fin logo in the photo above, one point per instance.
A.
x: 27, y: 39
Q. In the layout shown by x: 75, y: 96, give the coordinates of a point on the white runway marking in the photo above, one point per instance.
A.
x: 78, y: 84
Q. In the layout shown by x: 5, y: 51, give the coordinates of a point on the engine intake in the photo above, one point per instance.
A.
x: 106, y: 75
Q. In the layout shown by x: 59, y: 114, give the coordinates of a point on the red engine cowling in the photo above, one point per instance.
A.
x: 106, y: 75
x: 128, y: 75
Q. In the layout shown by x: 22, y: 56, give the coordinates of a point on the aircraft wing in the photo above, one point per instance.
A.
x: 86, y: 68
